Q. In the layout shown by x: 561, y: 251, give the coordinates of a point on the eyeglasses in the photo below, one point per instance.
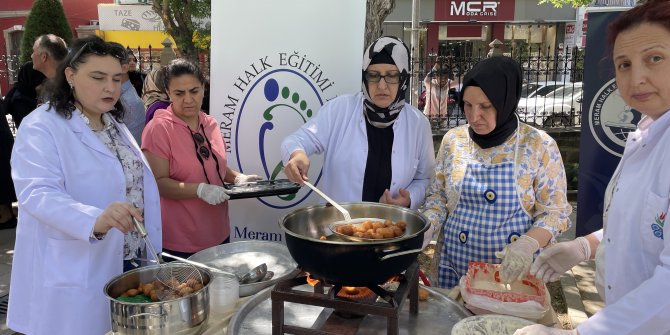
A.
x: 202, y: 149
x: 100, y: 49
x: 389, y: 78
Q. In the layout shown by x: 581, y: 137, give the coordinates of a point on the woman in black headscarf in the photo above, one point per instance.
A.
x: 22, y: 98
x: 499, y: 191
x: 376, y: 146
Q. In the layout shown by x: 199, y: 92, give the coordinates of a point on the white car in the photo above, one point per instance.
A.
x: 562, y: 107
x: 531, y: 92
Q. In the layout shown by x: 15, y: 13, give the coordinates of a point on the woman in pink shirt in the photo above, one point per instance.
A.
x: 187, y: 154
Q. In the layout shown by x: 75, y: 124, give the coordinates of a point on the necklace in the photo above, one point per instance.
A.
x: 87, y: 120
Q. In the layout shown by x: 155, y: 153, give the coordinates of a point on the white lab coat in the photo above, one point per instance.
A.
x: 637, y: 262
x: 339, y: 132
x: 65, y: 177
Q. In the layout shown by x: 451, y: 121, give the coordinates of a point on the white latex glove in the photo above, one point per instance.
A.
x: 517, y: 258
x: 543, y: 330
x: 212, y: 194
x: 556, y: 260
x: 246, y: 178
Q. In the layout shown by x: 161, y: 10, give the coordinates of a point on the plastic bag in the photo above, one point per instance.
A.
x: 528, y: 310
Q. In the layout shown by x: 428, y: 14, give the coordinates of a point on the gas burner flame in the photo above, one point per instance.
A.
x: 311, y: 281
x: 358, y: 293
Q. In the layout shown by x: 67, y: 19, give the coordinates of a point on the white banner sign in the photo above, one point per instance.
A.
x: 129, y: 17
x: 273, y: 65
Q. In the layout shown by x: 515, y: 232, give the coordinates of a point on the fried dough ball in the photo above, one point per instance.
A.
x: 377, y: 224
x: 367, y: 225
x: 423, y: 294
x: 132, y: 292
x: 198, y: 286
x: 359, y: 228
x: 186, y: 290
x: 345, y: 229
x: 153, y: 295
x: 191, y: 282
x: 147, y: 288
x: 385, y: 232
x: 322, y: 238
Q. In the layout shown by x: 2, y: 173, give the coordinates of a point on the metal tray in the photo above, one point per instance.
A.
x: 262, y: 188
x: 437, y: 316
x: 240, y: 257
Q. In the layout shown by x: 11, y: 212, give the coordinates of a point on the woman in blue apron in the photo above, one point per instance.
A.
x: 499, y: 190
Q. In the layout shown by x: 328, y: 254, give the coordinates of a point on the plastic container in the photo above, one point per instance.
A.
x: 224, y: 291
x: 482, y: 290
x: 527, y: 289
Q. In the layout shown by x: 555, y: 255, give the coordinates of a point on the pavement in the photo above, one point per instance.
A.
x: 579, y: 290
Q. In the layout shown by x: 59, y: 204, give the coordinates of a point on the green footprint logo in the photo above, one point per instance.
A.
x: 288, y: 101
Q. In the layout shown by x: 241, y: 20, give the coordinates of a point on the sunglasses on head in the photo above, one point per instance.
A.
x: 202, y: 149
x: 203, y: 152
x: 99, y: 49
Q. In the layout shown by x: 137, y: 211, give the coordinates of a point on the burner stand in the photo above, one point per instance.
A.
x: 393, y: 302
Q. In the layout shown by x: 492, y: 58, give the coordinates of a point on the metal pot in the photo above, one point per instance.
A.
x: 346, y: 262
x: 185, y: 315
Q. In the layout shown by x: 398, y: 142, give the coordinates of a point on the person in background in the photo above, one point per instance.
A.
x: 188, y: 156
x: 631, y: 253
x: 154, y: 96
x: 135, y: 75
x: 377, y: 147
x: 134, y: 112
x: 499, y: 189
x: 48, y: 52
x: 22, y: 98
x: 80, y: 179
x: 7, y: 194
x: 437, y: 84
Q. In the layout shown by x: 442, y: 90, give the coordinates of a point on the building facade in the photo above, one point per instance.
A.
x: 81, y: 14
x: 464, y: 28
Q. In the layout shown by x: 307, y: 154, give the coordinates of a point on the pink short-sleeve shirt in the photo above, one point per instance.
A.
x: 189, y: 225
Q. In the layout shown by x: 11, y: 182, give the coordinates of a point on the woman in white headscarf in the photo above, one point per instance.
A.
x: 376, y: 146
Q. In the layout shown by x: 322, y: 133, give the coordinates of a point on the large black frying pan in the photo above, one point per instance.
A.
x: 345, y: 262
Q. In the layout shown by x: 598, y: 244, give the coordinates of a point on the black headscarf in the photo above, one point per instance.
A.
x: 500, y: 78
x: 386, y: 50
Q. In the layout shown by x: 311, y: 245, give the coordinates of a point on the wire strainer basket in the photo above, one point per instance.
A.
x: 180, y: 279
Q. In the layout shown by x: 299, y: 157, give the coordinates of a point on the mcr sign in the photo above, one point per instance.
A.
x: 467, y: 10
x: 473, y: 8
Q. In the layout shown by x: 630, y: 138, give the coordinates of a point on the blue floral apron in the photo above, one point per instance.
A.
x: 488, y: 216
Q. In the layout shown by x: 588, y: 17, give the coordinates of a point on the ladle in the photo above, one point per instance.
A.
x: 254, y: 275
x: 347, y: 216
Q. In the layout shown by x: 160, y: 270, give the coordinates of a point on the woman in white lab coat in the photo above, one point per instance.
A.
x: 376, y: 147
x: 80, y: 178
x: 632, y: 257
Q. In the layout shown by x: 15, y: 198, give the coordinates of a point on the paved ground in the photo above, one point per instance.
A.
x: 6, y: 253
x: 578, y: 287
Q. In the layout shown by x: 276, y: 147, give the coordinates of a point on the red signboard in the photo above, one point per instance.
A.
x: 474, y: 10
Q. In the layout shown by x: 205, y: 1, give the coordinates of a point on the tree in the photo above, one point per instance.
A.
x: 376, y: 13
x: 187, y: 21
x: 46, y: 17
x: 560, y: 3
